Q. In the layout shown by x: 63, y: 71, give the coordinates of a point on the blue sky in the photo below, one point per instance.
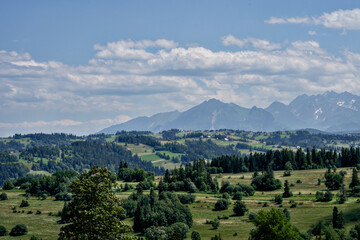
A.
x: 79, y: 66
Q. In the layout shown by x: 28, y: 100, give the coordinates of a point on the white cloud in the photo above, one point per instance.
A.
x: 312, y: 33
x: 65, y: 126
x: 162, y: 79
x: 256, y: 43
x: 132, y: 49
x: 340, y: 19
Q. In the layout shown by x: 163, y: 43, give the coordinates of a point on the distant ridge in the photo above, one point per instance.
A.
x: 328, y: 112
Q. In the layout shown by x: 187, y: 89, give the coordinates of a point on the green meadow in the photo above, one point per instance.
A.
x: 304, y: 186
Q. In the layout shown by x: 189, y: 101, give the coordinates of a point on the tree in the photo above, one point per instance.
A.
x: 3, y: 196
x: 222, y: 204
x: 8, y: 185
x: 333, y: 180
x: 266, y: 182
x: 240, y: 208
x: 3, y: 231
x: 288, y: 168
x: 354, y: 179
x: 19, y: 230
x: 287, y: 192
x: 24, y: 203
x: 95, y: 211
x: 338, y: 220
x: 195, y: 235
x: 215, y: 223
x: 156, y: 233
x: 273, y: 225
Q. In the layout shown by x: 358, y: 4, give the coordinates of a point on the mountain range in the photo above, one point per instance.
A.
x: 330, y: 112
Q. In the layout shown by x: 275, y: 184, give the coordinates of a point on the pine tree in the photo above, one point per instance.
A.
x: 287, y: 192
x: 354, y: 179
x: 338, y: 220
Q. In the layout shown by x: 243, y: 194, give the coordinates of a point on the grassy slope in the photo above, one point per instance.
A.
x: 303, y: 216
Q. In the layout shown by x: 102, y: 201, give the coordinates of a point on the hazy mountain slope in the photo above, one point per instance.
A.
x: 330, y: 111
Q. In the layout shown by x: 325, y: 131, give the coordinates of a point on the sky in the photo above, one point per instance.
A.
x: 80, y: 66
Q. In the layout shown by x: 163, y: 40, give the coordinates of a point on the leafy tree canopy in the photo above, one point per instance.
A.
x: 95, y: 212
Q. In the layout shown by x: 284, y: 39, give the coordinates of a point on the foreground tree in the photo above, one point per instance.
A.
x: 273, y: 225
x: 95, y: 212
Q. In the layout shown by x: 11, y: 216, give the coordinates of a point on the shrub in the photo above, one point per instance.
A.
x: 38, y: 212
x: 34, y: 238
x: 3, y: 231
x: 156, y: 233
x: 19, y: 230
x: 195, y: 235
x: 266, y: 204
x: 3, y: 196
x: 240, y: 208
x: 222, y: 204
x: 186, y: 198
x: 178, y: 228
x: 226, y: 196
x: 237, y: 196
x: 30, y: 212
x: 252, y: 216
x: 321, y: 197
x: 278, y: 199
x: 298, y: 181
x: 8, y: 185
x: 24, y: 203
x: 215, y: 223
x: 293, y: 205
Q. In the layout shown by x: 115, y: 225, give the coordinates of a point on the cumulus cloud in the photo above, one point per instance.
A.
x: 128, y: 78
x: 254, y: 42
x: 340, y: 19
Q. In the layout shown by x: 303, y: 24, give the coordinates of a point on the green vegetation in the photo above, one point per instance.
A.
x: 95, y: 211
x: 246, y: 171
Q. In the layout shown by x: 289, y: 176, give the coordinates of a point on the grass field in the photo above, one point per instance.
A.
x: 306, y: 214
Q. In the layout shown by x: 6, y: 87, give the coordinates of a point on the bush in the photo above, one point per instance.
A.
x: 237, y: 196
x: 222, y: 204
x: 156, y: 233
x: 178, y: 228
x: 278, y: 199
x: 293, y: 205
x: 195, y: 235
x: 321, y: 197
x: 38, y: 212
x: 215, y: 223
x: 226, y: 195
x: 19, y: 230
x: 3, y: 196
x: 252, y: 216
x: 186, y: 198
x: 8, y: 185
x: 266, y: 204
x: 34, y: 238
x: 3, y: 231
x: 240, y: 208
x: 24, y: 203
x: 298, y: 181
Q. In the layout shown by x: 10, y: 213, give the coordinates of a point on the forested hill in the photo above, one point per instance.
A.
x: 78, y: 156
x: 46, y: 153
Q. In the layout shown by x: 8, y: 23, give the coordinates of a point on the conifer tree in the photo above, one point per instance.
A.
x: 354, y: 179
x: 287, y: 192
